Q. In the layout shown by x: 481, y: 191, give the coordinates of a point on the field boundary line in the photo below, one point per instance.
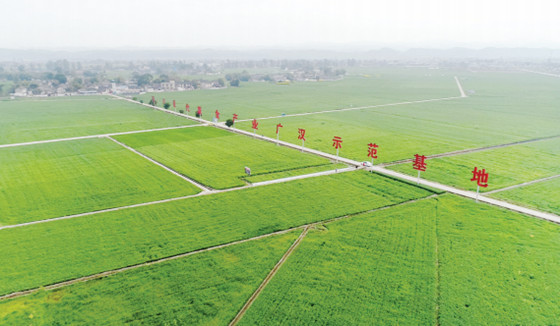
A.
x: 541, y: 73
x: 143, y: 264
x: 56, y: 140
x: 522, y: 184
x: 199, y: 185
x: 197, y: 251
x: 471, y: 150
x: 356, y: 108
x: 304, y: 176
x: 269, y: 277
x: 161, y: 201
x: 460, y: 87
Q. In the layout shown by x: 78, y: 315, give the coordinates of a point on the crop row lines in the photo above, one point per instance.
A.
x: 187, y: 254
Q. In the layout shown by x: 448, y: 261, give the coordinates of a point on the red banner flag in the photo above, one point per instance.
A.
x: 174, y: 103
x: 187, y: 107
x: 278, y: 126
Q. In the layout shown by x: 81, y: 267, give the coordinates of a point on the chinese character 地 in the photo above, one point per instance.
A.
x: 480, y: 176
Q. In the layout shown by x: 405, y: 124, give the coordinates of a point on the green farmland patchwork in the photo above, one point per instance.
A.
x: 373, y: 269
x: 479, y: 264
x: 542, y: 195
x: 215, y: 157
x: 32, y: 120
x: 41, y: 254
x: 205, y: 289
x: 482, y: 119
x: 57, y: 179
x: 506, y: 166
x: 255, y: 100
x: 496, y: 266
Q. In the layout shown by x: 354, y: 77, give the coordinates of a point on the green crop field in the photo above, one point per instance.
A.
x: 44, y: 253
x: 429, y: 128
x: 441, y: 261
x: 254, y: 100
x: 496, y: 267
x: 542, y: 195
x: 204, y: 289
x: 371, y: 269
x: 217, y: 158
x: 64, y: 178
x: 506, y: 166
x: 33, y: 120
x: 378, y: 251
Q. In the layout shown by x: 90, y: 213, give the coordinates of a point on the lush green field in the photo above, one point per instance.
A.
x: 62, y: 117
x: 542, y: 195
x: 496, y: 113
x: 373, y: 269
x: 44, y: 253
x: 64, y: 178
x: 477, y: 263
x: 205, y: 289
x: 496, y: 267
x: 506, y: 166
x: 216, y: 157
x: 254, y: 100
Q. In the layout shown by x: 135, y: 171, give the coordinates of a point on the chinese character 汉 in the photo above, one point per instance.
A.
x: 301, y: 134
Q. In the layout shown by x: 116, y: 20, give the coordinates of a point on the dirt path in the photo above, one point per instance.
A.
x: 194, y: 252
x: 472, y: 150
x: 541, y: 73
x: 204, y: 193
x: 357, y: 108
x: 522, y: 184
x: 199, y: 185
x: 460, y: 87
x: 269, y: 277
x: 95, y: 136
x: 304, y: 176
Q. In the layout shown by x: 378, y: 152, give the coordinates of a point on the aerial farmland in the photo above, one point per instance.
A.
x: 412, y: 196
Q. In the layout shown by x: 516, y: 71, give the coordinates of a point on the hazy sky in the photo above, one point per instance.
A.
x: 280, y: 23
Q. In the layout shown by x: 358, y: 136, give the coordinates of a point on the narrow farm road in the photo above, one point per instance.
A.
x: 381, y: 170
x: 357, y: 108
x: 460, y: 87
x: 267, y: 279
x: 194, y: 252
x: 96, y: 136
x: 199, y: 185
x: 304, y: 176
x: 541, y: 73
x: 203, y: 193
x: 522, y: 184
